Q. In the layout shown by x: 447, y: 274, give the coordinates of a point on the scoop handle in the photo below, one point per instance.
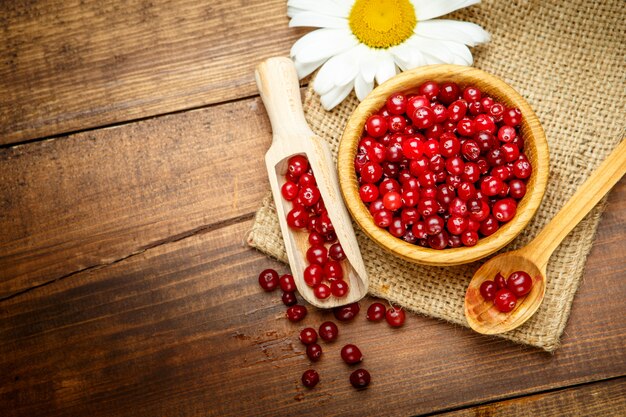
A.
x: 277, y: 81
x: 588, y: 195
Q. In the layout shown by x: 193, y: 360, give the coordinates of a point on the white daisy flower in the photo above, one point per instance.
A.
x: 365, y: 41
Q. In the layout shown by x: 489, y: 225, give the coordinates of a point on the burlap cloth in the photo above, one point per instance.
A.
x: 567, y: 58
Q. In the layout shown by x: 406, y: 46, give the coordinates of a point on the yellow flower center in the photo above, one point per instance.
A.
x: 382, y: 23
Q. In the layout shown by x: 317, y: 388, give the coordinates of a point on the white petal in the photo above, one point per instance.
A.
x: 305, y: 68
x: 368, y: 62
x: 335, y: 96
x: 328, y: 7
x: 336, y: 72
x: 462, y: 54
x: 311, y: 19
x: 386, y: 67
x: 407, y: 57
x: 452, y: 30
x: 322, y: 43
x: 428, y: 9
x: 435, y: 49
x: 362, y: 88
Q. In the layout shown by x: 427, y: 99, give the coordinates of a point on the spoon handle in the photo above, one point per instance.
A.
x: 588, y: 195
x: 278, y: 84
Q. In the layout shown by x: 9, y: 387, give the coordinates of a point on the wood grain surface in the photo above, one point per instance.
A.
x: 600, y: 399
x: 184, y: 329
x: 125, y: 285
x: 73, y: 64
x: 93, y: 198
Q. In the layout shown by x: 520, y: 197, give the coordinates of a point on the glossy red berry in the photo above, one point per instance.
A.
x: 308, y: 335
x: 430, y: 89
x: 339, y: 288
x: 287, y: 283
x: 289, y: 190
x: 395, y: 316
x: 392, y: 200
x: 488, y: 290
x: 368, y: 192
x: 396, y: 103
x: 314, y: 352
x: 517, y: 189
x: 351, y: 354
x: 423, y: 117
x: 448, y: 92
x: 268, y: 279
x: 376, y: 126
x: 328, y: 331
x: 520, y: 283
x: 360, y: 378
x: 512, y: 117
x: 296, y: 313
x: 289, y: 299
x: 347, y: 312
x: 504, y: 210
x: 297, y: 217
x: 505, y: 300
x: 332, y: 269
x: 310, y: 378
x: 500, y: 281
x: 297, y: 165
x: 375, y: 312
x: 317, y: 255
x: 313, y: 275
x: 321, y: 291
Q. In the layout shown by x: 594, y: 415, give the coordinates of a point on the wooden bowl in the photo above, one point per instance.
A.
x: 535, y: 147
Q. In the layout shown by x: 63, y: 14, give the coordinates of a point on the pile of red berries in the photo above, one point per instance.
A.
x: 324, y: 272
x: 329, y: 331
x: 505, y: 292
x: 442, y: 168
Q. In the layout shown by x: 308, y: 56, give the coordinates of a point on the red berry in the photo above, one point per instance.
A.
x: 392, y: 200
x: 297, y: 165
x: 314, y: 352
x: 488, y: 290
x: 396, y: 103
x: 289, y: 298
x: 321, y: 291
x: 328, y: 331
x: 423, y: 117
x: 376, y: 312
x: 504, y: 210
x: 317, y: 255
x: 457, y: 110
x: 486, y: 123
x: 517, y: 189
x: 339, y: 288
x: 296, y: 313
x: 512, y: 117
x: 448, y: 92
x: 520, y: 283
x: 332, y: 269
x: 268, y: 280
x: 489, y: 226
x: 360, y: 378
x: 289, y: 190
x: 347, y: 312
x: 376, y: 126
x: 313, y: 275
x: 371, y: 172
x: 469, y: 237
x: 500, y: 281
x: 412, y: 147
x: 287, y: 283
x: 297, y: 217
x: 505, y: 300
x: 335, y: 251
x: 430, y: 89
x: 368, y: 193
x: 351, y: 354
x: 507, y: 134
x: 395, y: 316
x: 308, y: 335
x: 310, y: 378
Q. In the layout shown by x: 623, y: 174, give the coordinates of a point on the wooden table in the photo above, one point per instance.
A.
x: 130, y: 169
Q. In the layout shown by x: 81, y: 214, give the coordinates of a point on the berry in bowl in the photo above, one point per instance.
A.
x: 443, y: 165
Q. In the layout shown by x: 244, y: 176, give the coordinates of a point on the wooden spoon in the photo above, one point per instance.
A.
x: 278, y: 84
x: 482, y: 315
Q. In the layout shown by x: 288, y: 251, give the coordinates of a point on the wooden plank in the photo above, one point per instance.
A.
x: 93, y: 198
x: 606, y: 398
x: 67, y: 65
x: 183, y: 329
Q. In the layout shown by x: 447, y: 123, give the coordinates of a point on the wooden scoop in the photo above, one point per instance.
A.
x: 278, y: 84
x: 482, y: 315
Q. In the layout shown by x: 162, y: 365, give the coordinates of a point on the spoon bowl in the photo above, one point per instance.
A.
x: 481, y: 314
